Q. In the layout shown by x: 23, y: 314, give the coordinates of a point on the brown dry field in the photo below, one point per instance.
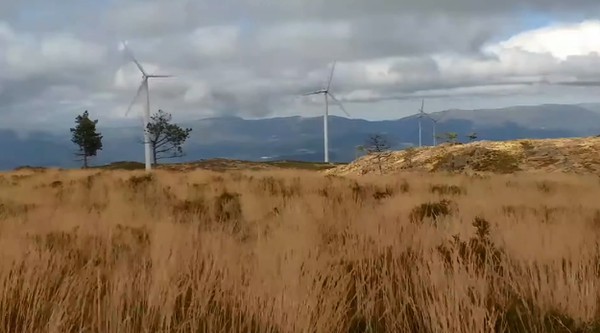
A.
x: 297, y: 251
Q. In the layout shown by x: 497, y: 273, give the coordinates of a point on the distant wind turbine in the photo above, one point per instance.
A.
x: 421, y: 115
x: 434, y: 123
x: 143, y: 87
x: 328, y: 94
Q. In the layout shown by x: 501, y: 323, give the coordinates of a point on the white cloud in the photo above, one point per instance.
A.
x: 198, y: 93
x: 26, y: 55
x: 560, y: 41
x: 148, y: 17
x: 215, y: 41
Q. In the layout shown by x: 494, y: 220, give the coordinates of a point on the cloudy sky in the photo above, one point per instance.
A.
x: 254, y: 58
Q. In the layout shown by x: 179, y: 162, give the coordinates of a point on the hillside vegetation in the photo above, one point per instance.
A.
x: 576, y: 155
x: 221, y: 164
x: 296, y: 251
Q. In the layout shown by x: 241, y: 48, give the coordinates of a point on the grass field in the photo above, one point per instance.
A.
x: 295, y: 251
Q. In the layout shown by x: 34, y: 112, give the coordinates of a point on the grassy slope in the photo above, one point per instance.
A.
x: 576, y: 155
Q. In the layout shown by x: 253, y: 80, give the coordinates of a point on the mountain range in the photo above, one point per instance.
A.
x: 300, y: 138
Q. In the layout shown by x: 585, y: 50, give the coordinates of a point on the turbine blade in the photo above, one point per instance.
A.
x: 159, y: 76
x: 313, y: 93
x: 422, y: 109
x: 331, y: 76
x: 130, y: 54
x: 339, y: 104
x: 577, y: 83
x: 139, y: 92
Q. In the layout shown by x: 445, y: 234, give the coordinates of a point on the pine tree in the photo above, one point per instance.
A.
x: 86, y: 137
x: 166, y: 139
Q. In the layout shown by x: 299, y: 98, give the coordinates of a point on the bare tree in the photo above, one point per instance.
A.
x: 378, y: 146
x: 166, y: 139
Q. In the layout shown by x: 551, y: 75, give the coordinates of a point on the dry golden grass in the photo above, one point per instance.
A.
x: 295, y: 251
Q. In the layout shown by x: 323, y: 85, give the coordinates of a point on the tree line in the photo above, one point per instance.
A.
x: 166, y: 139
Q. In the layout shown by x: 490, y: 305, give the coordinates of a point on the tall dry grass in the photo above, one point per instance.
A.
x: 297, y: 252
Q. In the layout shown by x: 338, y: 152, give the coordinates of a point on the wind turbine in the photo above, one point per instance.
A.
x: 143, y: 87
x: 327, y: 94
x: 434, y: 123
x: 420, y: 116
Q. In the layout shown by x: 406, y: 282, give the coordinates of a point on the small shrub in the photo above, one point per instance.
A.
x: 443, y: 189
x: 187, y: 210
x: 140, y: 181
x: 88, y: 182
x: 527, y: 145
x: 228, y: 207
x: 477, y: 252
x: 324, y: 192
x: 404, y: 186
x: 432, y: 210
x: 382, y: 194
x: 544, y: 187
x: 596, y: 220
x: 359, y: 193
x: 56, y: 184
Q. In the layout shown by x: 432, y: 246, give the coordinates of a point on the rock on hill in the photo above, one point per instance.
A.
x: 577, y: 155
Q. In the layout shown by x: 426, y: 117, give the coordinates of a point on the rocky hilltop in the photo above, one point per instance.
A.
x: 576, y: 155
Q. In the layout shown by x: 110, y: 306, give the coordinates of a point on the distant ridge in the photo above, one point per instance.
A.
x: 301, y: 138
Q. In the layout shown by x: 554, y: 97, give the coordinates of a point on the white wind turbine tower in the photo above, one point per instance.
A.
x: 421, y: 115
x: 143, y: 87
x: 326, y: 92
x: 434, y: 121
